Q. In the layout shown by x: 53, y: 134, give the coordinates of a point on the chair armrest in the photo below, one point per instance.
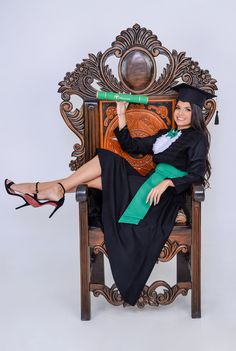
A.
x: 198, y: 192
x: 82, y: 193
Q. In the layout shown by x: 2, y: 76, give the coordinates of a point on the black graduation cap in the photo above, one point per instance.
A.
x: 192, y: 94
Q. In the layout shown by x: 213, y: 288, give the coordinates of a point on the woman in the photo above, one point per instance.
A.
x: 134, y: 244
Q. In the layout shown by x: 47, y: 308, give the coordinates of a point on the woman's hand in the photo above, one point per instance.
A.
x: 121, y: 109
x: 156, y: 192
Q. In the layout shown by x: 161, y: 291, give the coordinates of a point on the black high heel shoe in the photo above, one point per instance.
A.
x: 33, y: 200
x: 12, y: 192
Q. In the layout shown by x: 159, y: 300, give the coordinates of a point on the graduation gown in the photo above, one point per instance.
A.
x: 133, y: 249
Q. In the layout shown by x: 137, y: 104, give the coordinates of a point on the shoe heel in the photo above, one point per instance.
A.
x: 59, y: 204
x: 26, y: 204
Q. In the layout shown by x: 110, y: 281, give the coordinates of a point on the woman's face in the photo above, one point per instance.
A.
x: 183, y: 114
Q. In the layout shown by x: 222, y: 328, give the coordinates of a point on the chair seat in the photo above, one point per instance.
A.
x: 180, y: 234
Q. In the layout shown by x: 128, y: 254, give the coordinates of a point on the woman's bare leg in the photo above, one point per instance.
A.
x: 95, y: 183
x: 55, y: 192
x: 52, y: 191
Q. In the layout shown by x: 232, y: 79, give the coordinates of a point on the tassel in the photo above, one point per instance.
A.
x: 217, y: 118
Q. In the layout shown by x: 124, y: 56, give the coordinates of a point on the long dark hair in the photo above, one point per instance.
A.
x: 198, y: 122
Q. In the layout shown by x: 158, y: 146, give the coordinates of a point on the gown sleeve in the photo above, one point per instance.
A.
x: 197, y: 153
x: 136, y: 145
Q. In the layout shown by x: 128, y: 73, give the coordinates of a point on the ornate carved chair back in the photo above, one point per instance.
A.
x: 140, y: 67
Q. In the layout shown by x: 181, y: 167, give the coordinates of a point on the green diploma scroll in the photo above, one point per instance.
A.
x: 108, y: 95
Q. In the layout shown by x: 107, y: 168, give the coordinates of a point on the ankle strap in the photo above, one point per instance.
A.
x: 36, y: 187
x: 62, y: 187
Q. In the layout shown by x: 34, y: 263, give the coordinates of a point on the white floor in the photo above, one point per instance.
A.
x: 40, y: 300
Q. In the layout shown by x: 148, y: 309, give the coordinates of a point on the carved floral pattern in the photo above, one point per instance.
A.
x: 170, y: 249
x: 95, y: 69
x: 149, y: 295
x: 100, y: 248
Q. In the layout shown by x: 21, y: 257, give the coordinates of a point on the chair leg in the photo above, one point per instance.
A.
x: 183, y: 272
x: 84, y: 263
x: 196, y: 259
x: 97, y: 268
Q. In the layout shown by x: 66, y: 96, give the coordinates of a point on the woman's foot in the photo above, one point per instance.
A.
x: 54, y: 193
x: 23, y: 188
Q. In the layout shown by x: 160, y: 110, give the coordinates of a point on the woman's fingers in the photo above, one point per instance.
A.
x: 153, y: 197
x: 121, y: 106
x: 150, y: 196
x: 157, y: 199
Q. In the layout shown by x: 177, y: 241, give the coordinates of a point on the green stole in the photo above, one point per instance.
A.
x: 138, y: 207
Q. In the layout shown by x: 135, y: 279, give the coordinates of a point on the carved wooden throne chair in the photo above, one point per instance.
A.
x: 138, y: 57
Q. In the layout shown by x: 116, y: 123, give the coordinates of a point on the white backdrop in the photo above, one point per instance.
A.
x: 39, y: 263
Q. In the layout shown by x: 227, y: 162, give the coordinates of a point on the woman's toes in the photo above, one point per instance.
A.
x: 14, y: 187
x: 23, y: 188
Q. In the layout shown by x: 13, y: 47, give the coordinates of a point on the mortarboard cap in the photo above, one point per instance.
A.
x: 192, y: 94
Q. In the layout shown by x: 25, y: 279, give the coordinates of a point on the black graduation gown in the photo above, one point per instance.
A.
x: 133, y: 249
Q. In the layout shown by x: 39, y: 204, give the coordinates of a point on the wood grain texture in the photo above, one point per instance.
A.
x: 137, y: 51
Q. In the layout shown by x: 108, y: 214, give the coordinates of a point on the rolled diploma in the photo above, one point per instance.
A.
x: 108, y: 95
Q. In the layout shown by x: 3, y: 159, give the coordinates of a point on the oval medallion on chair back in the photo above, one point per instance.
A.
x: 137, y: 70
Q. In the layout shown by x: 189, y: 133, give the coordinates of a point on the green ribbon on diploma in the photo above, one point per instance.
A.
x: 138, y: 207
x: 108, y: 95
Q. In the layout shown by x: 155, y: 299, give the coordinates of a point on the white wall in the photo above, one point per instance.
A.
x: 40, y: 42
